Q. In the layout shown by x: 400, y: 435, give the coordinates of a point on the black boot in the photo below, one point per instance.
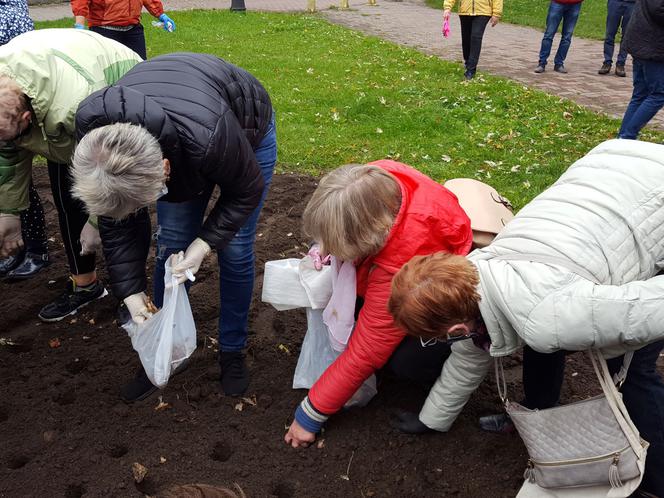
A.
x: 8, y: 264
x: 138, y: 388
x: 31, y: 265
x: 234, y: 373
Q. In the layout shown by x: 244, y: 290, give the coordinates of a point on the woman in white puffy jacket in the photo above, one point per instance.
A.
x: 580, y: 270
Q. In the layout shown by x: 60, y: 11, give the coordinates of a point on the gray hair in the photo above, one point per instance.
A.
x: 352, y: 211
x: 117, y: 170
x: 13, y: 103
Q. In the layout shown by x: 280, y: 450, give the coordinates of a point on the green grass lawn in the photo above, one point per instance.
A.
x: 591, y: 23
x: 342, y: 97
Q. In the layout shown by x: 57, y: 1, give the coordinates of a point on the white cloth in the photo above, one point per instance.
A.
x: 606, y: 214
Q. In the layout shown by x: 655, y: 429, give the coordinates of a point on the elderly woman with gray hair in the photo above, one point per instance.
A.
x: 146, y: 139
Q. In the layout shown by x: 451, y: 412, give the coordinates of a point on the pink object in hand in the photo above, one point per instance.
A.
x: 446, y: 28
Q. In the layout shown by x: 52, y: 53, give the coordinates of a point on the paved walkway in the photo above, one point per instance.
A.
x: 509, y: 50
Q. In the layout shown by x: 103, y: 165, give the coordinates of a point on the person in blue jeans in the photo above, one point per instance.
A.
x: 644, y: 41
x: 618, y: 13
x: 160, y: 144
x: 567, y: 12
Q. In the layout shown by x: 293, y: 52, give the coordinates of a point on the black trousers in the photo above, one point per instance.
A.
x: 417, y: 363
x: 542, y: 378
x: 72, y: 216
x: 133, y: 38
x: 472, y: 33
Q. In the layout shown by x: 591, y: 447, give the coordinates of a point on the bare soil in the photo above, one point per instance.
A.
x: 65, y: 432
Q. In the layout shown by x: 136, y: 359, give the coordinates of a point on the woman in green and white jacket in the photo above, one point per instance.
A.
x: 44, y: 75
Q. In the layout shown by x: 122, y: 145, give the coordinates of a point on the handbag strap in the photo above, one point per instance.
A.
x: 615, y: 401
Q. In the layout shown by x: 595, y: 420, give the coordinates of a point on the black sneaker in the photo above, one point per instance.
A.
x: 8, y: 264
x: 620, y: 70
x: 540, y: 69
x: 31, y: 265
x: 138, y: 388
x: 234, y: 373
x: 560, y: 68
x: 469, y: 75
x: 605, y: 69
x: 71, y: 300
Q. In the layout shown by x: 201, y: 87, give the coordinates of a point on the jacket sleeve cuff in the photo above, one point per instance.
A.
x: 308, y: 417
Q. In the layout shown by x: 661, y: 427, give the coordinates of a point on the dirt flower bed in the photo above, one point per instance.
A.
x: 64, y: 431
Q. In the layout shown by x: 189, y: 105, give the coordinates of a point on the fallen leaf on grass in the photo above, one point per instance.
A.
x: 567, y: 115
x: 161, y: 405
x: 139, y: 472
x: 54, y: 343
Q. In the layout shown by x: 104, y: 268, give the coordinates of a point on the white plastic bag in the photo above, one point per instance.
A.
x: 281, y: 285
x: 168, y: 338
x: 317, y: 355
x: 295, y: 283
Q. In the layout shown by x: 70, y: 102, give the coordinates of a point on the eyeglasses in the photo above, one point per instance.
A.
x: 449, y: 340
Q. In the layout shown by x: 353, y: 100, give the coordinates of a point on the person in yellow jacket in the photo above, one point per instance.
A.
x: 44, y: 75
x: 474, y: 15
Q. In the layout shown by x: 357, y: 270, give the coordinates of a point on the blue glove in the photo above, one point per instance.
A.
x: 169, y: 24
x: 79, y: 26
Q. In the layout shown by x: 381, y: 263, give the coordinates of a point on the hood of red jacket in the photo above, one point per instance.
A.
x: 430, y: 220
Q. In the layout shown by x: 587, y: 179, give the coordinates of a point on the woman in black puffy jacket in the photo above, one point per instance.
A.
x: 170, y: 130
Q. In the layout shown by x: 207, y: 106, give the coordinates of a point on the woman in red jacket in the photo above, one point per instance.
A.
x: 120, y: 20
x: 379, y: 216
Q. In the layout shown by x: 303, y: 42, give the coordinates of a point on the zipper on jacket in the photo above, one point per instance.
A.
x: 613, y: 477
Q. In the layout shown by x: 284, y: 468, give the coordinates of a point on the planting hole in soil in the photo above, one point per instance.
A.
x: 284, y: 489
x: 17, y: 461
x: 118, y: 450
x: 75, y: 491
x: 221, y: 452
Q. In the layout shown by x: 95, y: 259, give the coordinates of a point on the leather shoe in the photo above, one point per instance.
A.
x: 620, y: 71
x: 8, y: 264
x: 31, y: 265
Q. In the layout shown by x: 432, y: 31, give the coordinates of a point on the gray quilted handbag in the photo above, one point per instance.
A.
x: 587, y: 443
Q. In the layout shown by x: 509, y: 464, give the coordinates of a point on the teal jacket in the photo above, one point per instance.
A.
x: 57, y: 69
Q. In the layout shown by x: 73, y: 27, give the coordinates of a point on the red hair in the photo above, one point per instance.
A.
x: 432, y: 293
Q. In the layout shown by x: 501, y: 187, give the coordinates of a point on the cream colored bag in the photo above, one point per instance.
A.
x: 488, y: 211
x: 591, y: 443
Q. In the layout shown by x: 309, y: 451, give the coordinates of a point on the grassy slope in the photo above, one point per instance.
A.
x: 533, y: 13
x: 343, y: 97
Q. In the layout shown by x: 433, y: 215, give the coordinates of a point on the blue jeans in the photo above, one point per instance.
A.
x: 179, y: 224
x: 643, y: 393
x: 568, y: 14
x: 647, y: 97
x: 618, y: 13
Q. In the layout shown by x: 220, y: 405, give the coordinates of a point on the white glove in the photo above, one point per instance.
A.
x: 11, y: 240
x: 90, y: 240
x: 187, y: 267
x: 137, y: 304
